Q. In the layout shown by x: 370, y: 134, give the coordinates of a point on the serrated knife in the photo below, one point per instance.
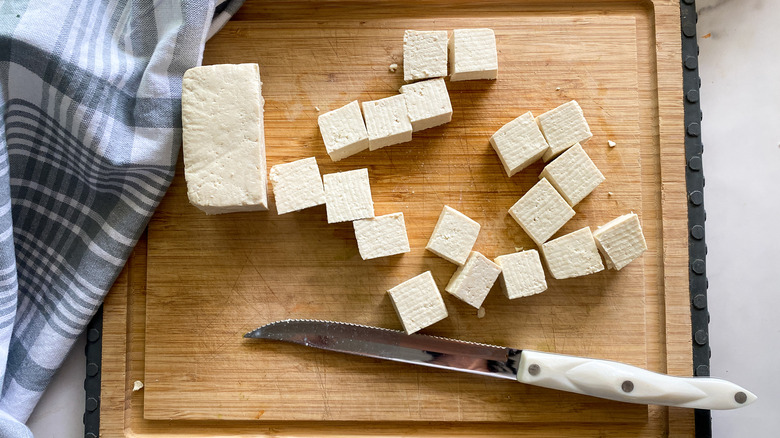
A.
x: 594, y: 377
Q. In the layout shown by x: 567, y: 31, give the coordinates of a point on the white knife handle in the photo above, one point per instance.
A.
x: 626, y: 383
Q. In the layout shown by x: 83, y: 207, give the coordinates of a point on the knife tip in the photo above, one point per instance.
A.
x: 253, y: 334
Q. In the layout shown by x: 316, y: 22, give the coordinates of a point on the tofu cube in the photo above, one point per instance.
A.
x: 343, y: 131
x: 381, y: 236
x: 387, y: 121
x: 428, y: 103
x: 418, y: 302
x: 572, y: 255
x: 297, y: 185
x: 621, y: 241
x: 563, y: 127
x: 472, y: 281
x: 522, y: 274
x: 224, y: 155
x: 573, y: 174
x: 541, y: 211
x: 348, y: 196
x: 425, y: 54
x: 454, y: 236
x: 519, y: 143
x: 473, y: 55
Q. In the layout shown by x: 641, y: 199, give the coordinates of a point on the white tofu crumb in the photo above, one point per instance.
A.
x: 454, y: 236
x: 573, y: 174
x: 393, y: 67
x: 428, y: 103
x: 522, y: 274
x: 563, y: 127
x: 297, y: 185
x: 481, y: 312
x: 387, y: 122
x: 519, y: 143
x: 317, y: 108
x: 224, y: 155
x: 343, y: 131
x: 609, y: 193
x: 621, y: 241
x: 425, y: 54
x: 137, y: 385
x: 611, y: 143
x: 572, y: 255
x: 471, y: 282
x: 348, y: 196
x: 557, y: 88
x: 473, y: 55
x: 418, y: 302
x: 541, y: 211
x: 381, y: 236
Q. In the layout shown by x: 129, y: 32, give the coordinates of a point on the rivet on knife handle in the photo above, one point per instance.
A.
x: 626, y: 383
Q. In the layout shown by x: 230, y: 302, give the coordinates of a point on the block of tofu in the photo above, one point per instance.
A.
x: 418, y: 302
x: 573, y: 174
x: 621, y: 240
x: 473, y: 55
x: 428, y: 103
x: 425, y: 54
x: 563, y: 127
x: 381, y: 236
x: 572, y: 255
x: 224, y: 155
x: 343, y: 131
x: 297, y: 185
x: 387, y: 122
x: 522, y: 274
x: 519, y: 143
x: 453, y: 236
x: 348, y: 196
x: 472, y: 281
x: 541, y: 211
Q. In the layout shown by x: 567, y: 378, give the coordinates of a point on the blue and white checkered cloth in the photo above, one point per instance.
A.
x: 90, y: 128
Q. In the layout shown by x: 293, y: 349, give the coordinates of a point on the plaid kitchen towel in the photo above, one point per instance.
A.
x: 90, y: 129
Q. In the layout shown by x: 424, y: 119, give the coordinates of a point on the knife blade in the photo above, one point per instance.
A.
x: 594, y: 377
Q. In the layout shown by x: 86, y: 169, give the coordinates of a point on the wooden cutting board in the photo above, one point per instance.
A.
x: 197, y: 283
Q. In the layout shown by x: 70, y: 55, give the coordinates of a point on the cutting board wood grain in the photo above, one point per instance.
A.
x: 196, y: 283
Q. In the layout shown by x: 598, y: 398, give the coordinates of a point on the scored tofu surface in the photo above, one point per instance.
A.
x: 425, y: 54
x: 428, y: 103
x: 572, y: 255
x: 541, y: 211
x: 381, y: 236
x: 224, y: 155
x: 454, y: 236
x: 348, y: 196
x: 574, y: 174
x: 343, y: 131
x: 519, y: 143
x: 297, y: 185
x: 473, y: 55
x: 471, y: 282
x: 563, y: 127
x: 418, y: 302
x: 522, y: 274
x: 387, y: 122
x: 621, y: 240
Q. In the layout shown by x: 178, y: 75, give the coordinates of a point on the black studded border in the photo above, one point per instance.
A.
x: 694, y: 177
x: 94, y: 352
x: 697, y: 248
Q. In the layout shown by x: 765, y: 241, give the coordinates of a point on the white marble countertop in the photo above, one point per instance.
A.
x: 740, y: 98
